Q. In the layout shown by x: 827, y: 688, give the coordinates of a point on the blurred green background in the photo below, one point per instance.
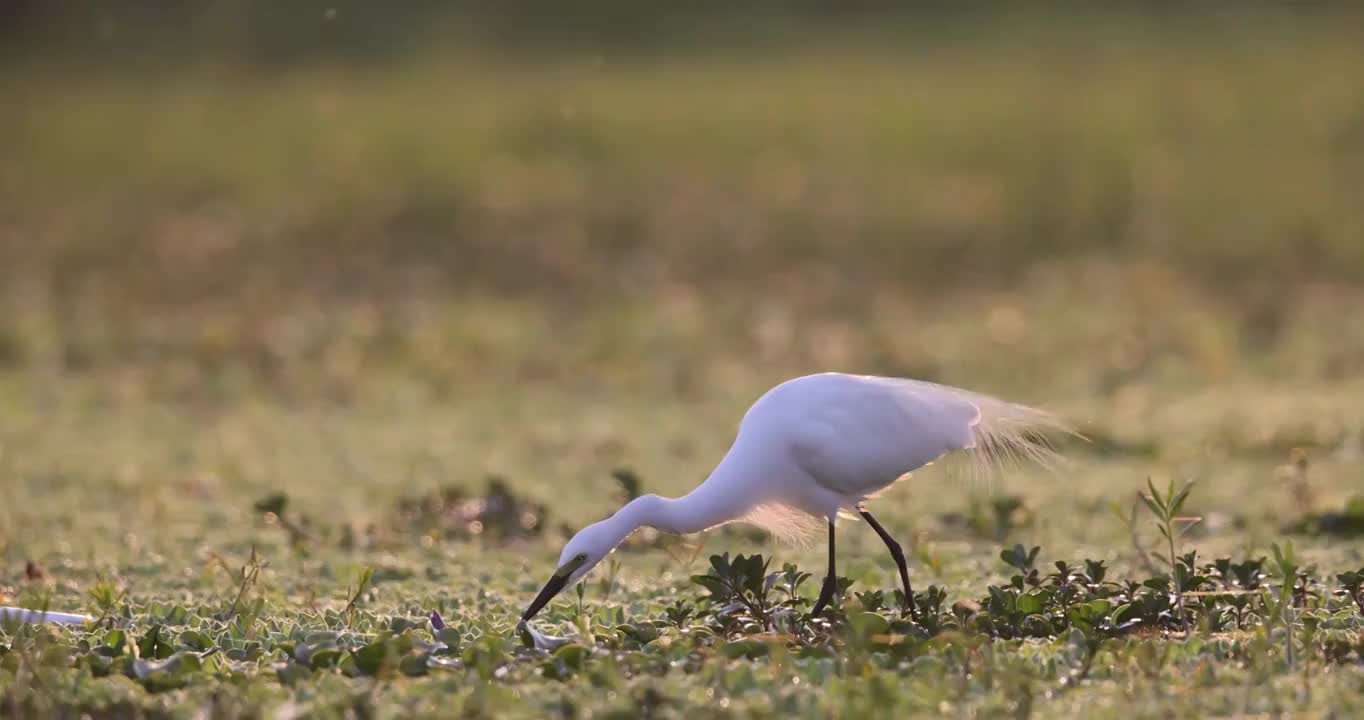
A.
x: 321, y: 201
x: 288, y: 279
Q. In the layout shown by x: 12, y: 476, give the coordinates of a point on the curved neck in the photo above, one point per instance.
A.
x: 677, y: 516
x: 727, y: 495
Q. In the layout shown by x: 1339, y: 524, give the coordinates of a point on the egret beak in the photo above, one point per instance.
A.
x: 556, y: 584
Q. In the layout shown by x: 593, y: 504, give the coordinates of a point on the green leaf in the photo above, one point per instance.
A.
x: 1029, y: 604
x: 370, y: 659
x: 1089, y: 613
x: 721, y: 564
x: 745, y: 648
x: 1038, y: 626
x: 1183, y: 495
x: 1152, y: 505
x: 1002, y: 600
x: 1124, y: 613
x: 413, y: 665
x: 865, y: 624
x: 348, y: 667
x: 571, y: 656
x: 451, y: 637
x: 168, y: 674
x: 713, y: 584
x: 116, y: 641
x: 151, y: 647
x: 195, y: 640
x: 324, y: 658
x: 1284, y: 556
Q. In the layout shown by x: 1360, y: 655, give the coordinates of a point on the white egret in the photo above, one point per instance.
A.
x: 813, y: 447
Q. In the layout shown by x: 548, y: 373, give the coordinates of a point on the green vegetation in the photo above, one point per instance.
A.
x: 295, y: 355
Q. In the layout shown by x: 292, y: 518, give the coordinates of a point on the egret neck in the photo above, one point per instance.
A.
x: 722, y: 498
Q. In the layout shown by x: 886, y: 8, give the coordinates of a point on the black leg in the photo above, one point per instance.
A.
x: 896, y: 553
x: 830, y: 581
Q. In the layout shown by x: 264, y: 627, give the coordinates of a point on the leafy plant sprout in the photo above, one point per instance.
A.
x: 1287, y: 566
x: 1166, y: 509
x: 818, y: 446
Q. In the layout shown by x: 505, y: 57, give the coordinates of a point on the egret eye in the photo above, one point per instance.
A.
x: 571, y: 566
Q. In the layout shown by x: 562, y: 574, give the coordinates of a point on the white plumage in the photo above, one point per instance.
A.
x: 24, y: 615
x: 855, y: 436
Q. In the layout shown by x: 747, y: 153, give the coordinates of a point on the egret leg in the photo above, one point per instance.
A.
x: 830, y: 581
x: 896, y: 553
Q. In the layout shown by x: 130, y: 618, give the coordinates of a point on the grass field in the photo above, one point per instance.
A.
x: 291, y: 359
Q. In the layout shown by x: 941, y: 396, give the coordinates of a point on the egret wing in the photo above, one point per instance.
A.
x: 857, y: 435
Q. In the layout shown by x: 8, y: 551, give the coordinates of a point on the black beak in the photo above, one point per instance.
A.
x: 547, y: 593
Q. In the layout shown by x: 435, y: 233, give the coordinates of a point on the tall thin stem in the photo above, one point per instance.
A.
x: 1179, y: 586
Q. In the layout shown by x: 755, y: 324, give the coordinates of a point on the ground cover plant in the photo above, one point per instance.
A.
x: 308, y: 369
x: 1245, y: 633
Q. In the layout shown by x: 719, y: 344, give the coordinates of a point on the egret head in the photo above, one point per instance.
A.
x: 580, y: 555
